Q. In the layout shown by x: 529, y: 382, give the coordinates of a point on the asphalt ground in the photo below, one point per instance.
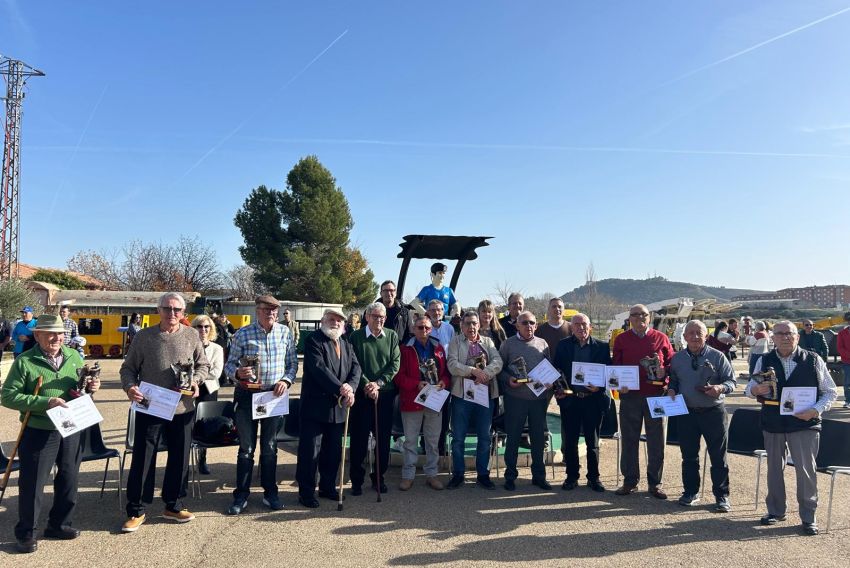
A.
x: 468, y: 526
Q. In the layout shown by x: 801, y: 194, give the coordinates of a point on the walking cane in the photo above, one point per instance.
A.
x: 6, y: 475
x: 342, y: 461
x: 377, y: 455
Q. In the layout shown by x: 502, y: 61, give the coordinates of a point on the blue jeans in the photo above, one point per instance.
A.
x: 846, y: 383
x: 464, y: 415
x: 247, y: 429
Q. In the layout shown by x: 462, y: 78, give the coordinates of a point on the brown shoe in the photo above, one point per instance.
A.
x: 435, y: 483
x: 405, y: 484
x: 625, y: 489
x: 132, y: 524
x: 182, y: 516
x: 657, y: 492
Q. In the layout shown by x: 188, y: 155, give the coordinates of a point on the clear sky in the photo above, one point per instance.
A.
x: 704, y: 141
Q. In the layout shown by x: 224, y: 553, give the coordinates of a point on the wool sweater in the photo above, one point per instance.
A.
x: 379, y: 357
x: 629, y: 349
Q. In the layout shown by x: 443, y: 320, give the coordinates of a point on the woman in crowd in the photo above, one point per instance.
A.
x: 209, y: 388
x: 490, y: 326
x: 720, y: 339
x: 759, y: 343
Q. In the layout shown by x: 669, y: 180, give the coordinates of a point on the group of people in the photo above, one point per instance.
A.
x: 353, y: 377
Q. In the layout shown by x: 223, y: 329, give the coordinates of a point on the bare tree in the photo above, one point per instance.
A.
x: 503, y: 290
x: 100, y: 265
x: 240, y: 282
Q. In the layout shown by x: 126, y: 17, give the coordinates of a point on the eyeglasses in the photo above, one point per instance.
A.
x: 526, y: 322
x: 388, y: 290
x: 421, y: 327
x: 202, y: 327
x: 784, y: 333
x: 377, y: 317
x: 808, y: 325
x: 170, y: 309
x: 639, y: 315
x: 270, y: 310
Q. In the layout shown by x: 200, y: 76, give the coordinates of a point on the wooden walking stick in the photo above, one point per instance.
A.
x: 26, y: 419
x: 342, y: 461
x: 377, y: 455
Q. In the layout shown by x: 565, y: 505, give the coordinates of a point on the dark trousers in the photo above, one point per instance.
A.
x: 361, y: 422
x: 39, y: 450
x: 711, y: 424
x: 319, y: 449
x: 517, y: 412
x: 140, y: 481
x: 247, y: 427
x: 583, y: 414
x: 634, y: 412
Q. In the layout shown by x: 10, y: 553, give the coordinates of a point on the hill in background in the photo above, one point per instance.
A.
x: 629, y: 291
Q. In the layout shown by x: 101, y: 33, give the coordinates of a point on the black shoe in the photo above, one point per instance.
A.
x: 308, y: 501
x: 331, y: 495
x: 237, y: 507
x: 384, y: 487
x: 810, y: 529
x: 596, y: 485
x: 63, y: 533
x: 510, y: 485
x: 771, y: 519
x: 203, y: 469
x: 485, y: 482
x: 26, y: 545
x: 356, y: 490
x: 455, y: 482
x: 542, y: 484
x: 569, y: 484
x: 273, y: 503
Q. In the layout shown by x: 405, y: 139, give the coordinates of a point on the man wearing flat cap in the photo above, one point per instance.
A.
x: 331, y: 375
x: 271, y: 345
x: 41, y: 445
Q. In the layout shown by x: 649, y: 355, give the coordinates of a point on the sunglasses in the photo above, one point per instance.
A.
x: 528, y: 323
x: 421, y: 327
x: 202, y: 327
x: 170, y: 309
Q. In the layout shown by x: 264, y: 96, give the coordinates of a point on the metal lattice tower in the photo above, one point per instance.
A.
x: 15, y: 73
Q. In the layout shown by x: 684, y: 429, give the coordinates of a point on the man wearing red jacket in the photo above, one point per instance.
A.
x: 843, y: 344
x: 630, y: 348
x: 413, y: 376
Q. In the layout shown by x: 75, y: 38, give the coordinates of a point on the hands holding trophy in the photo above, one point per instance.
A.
x: 654, y: 370
x: 520, y: 370
x: 88, y: 381
x: 184, y: 374
x: 249, y: 372
x: 766, y: 392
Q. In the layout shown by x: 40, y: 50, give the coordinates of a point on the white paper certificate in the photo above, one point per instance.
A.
x: 544, y: 372
x: 797, y: 399
x: 80, y: 414
x: 266, y: 404
x: 157, y: 401
x: 664, y: 406
x: 432, y: 398
x: 588, y: 374
x: 619, y: 376
x: 479, y: 394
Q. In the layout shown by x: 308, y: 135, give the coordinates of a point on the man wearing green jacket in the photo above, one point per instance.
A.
x: 377, y: 351
x: 41, y: 444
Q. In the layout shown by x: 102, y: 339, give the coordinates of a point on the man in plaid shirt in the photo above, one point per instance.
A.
x: 278, y: 363
x: 73, y: 339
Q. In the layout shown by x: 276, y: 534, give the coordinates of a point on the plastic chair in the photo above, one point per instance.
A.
x: 131, y: 434
x: 4, y: 461
x: 745, y: 438
x: 208, y: 409
x: 498, y: 433
x: 93, y: 448
x: 833, y: 456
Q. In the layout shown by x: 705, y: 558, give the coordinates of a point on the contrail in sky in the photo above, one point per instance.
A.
x: 754, y: 47
x: 61, y: 187
x: 261, y: 108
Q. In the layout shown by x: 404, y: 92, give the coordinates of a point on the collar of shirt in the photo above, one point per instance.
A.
x: 699, y: 353
x: 370, y: 334
x: 424, y: 351
x: 55, y: 362
x: 556, y: 326
x: 641, y: 335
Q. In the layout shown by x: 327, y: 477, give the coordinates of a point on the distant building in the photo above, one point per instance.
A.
x: 821, y: 296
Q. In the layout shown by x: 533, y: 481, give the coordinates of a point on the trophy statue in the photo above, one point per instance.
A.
x: 252, y: 361
x: 561, y: 386
x: 480, y: 361
x: 768, y: 377
x: 428, y: 371
x: 86, y: 376
x: 183, y: 375
x: 652, y: 365
x: 521, y: 370
x: 706, y: 374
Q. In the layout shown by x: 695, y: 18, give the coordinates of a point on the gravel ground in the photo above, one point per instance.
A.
x: 470, y: 526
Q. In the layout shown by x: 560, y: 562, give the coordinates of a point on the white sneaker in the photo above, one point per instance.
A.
x: 847, y: 405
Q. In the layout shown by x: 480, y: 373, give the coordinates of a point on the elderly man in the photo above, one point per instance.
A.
x: 331, y: 375
x: 843, y: 346
x: 797, y: 434
x: 585, y: 409
x: 440, y: 330
x: 154, y: 350
x: 556, y: 327
x: 467, y: 353
x: 41, y: 446
x: 813, y: 341
x: 520, y: 354
x: 516, y: 304
x: 413, y: 376
x: 642, y: 343
x: 73, y: 339
x: 24, y: 338
x: 277, y: 365
x: 704, y: 377
x: 377, y: 350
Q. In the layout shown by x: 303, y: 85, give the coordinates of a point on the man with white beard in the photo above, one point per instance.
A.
x: 331, y: 375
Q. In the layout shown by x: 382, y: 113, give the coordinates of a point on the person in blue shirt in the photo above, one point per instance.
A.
x: 24, y: 338
x: 436, y: 291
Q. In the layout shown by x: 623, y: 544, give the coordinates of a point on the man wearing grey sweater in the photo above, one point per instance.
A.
x: 521, y: 402
x: 703, y: 376
x: 153, y: 351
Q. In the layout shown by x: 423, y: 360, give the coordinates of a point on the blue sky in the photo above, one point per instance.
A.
x: 705, y: 141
